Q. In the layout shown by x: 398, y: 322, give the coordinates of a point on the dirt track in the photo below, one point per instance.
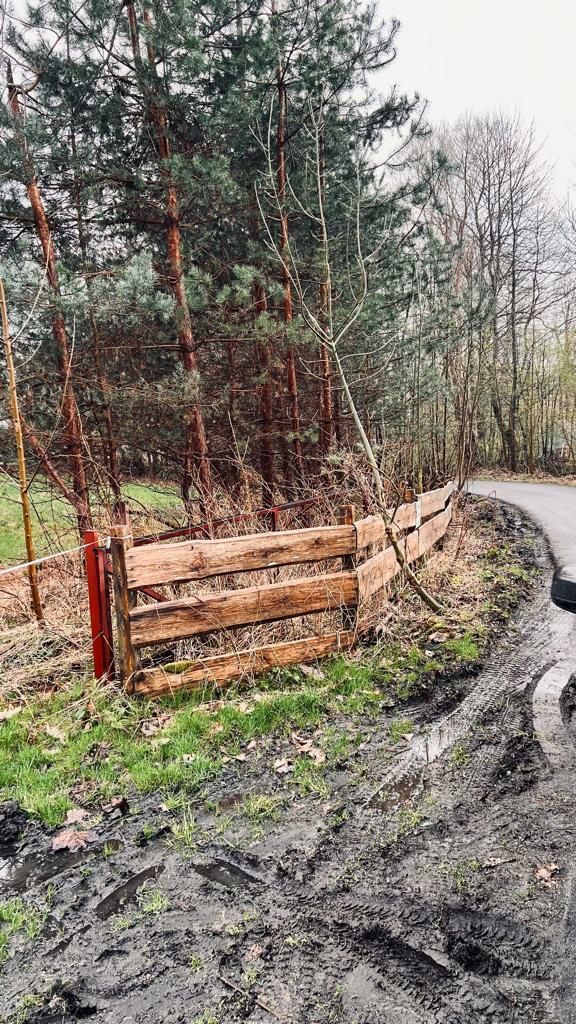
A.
x: 408, y: 896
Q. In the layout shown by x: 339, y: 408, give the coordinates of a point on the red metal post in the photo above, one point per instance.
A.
x: 99, y: 602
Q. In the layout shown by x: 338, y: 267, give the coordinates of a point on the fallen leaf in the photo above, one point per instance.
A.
x: 7, y: 713
x: 75, y: 815
x: 55, y: 733
x: 188, y: 758
x: 302, y: 745
x: 312, y: 672
x: 316, y: 755
x: 151, y: 726
x: 240, y: 757
x: 283, y: 766
x: 118, y: 803
x: 72, y: 840
x: 254, y: 952
x: 252, y: 745
x: 215, y: 728
x: 545, y: 874
x: 408, y: 737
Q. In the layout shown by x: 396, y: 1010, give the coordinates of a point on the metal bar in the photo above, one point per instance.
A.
x: 100, y: 646
x: 185, y: 531
x: 105, y: 613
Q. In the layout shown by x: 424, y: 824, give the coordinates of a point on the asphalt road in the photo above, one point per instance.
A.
x: 551, y: 505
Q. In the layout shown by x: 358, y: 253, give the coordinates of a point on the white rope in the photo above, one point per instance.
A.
x: 38, y: 561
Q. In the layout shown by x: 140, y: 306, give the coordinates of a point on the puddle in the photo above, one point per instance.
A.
x: 226, y: 873
x: 19, y: 870
x: 126, y: 893
x: 407, y: 788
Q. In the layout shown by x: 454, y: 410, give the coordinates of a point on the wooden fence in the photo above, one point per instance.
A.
x: 419, y: 525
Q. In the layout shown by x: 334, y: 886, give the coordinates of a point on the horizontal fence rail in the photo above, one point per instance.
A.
x: 362, y: 571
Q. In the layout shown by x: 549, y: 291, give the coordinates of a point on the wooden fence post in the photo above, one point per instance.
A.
x: 124, y: 600
x: 346, y: 516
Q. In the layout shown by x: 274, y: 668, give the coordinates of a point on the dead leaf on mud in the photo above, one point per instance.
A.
x: 55, y: 733
x: 545, y: 873
x: 252, y: 745
x: 75, y: 815
x: 118, y: 803
x: 254, y: 952
x: 7, y: 713
x: 151, y: 726
x: 72, y: 840
x: 283, y: 766
x: 309, y: 748
x: 215, y: 728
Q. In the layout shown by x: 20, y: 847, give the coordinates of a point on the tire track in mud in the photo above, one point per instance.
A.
x: 511, y: 670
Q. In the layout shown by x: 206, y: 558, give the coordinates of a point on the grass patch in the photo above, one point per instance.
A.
x: 309, y: 778
x: 103, y: 752
x: 152, y: 900
x: 400, y: 727
x: 259, y: 809
x: 54, y: 521
x: 17, y: 917
x: 463, y: 874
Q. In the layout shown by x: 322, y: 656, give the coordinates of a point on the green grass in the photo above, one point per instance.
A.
x: 104, y: 753
x: 152, y: 900
x: 53, y: 519
x: 18, y: 917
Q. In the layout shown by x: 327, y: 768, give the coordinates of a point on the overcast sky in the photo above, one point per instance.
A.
x: 483, y: 55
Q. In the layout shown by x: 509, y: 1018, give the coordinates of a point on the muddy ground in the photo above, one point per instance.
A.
x: 420, y: 883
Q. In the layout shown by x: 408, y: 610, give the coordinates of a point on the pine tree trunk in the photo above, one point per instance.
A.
x: 196, y: 469
x: 266, y: 403
x: 108, y: 438
x: 326, y: 410
x: 291, y: 378
x: 69, y: 407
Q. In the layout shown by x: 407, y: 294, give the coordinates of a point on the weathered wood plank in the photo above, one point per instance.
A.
x: 373, y: 528
x: 175, y: 620
x: 434, y: 501
x: 369, y: 531
x: 124, y: 601
x: 346, y: 517
x: 154, y: 564
x: 223, y: 669
x: 430, y: 532
x: 404, y: 517
x: 376, y: 572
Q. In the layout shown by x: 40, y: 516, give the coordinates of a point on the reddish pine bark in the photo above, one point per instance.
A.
x: 291, y: 378
x: 266, y: 402
x: 69, y: 406
x: 196, y: 461
x: 326, y: 405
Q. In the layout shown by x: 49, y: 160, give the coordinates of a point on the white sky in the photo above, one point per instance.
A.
x: 508, y: 55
